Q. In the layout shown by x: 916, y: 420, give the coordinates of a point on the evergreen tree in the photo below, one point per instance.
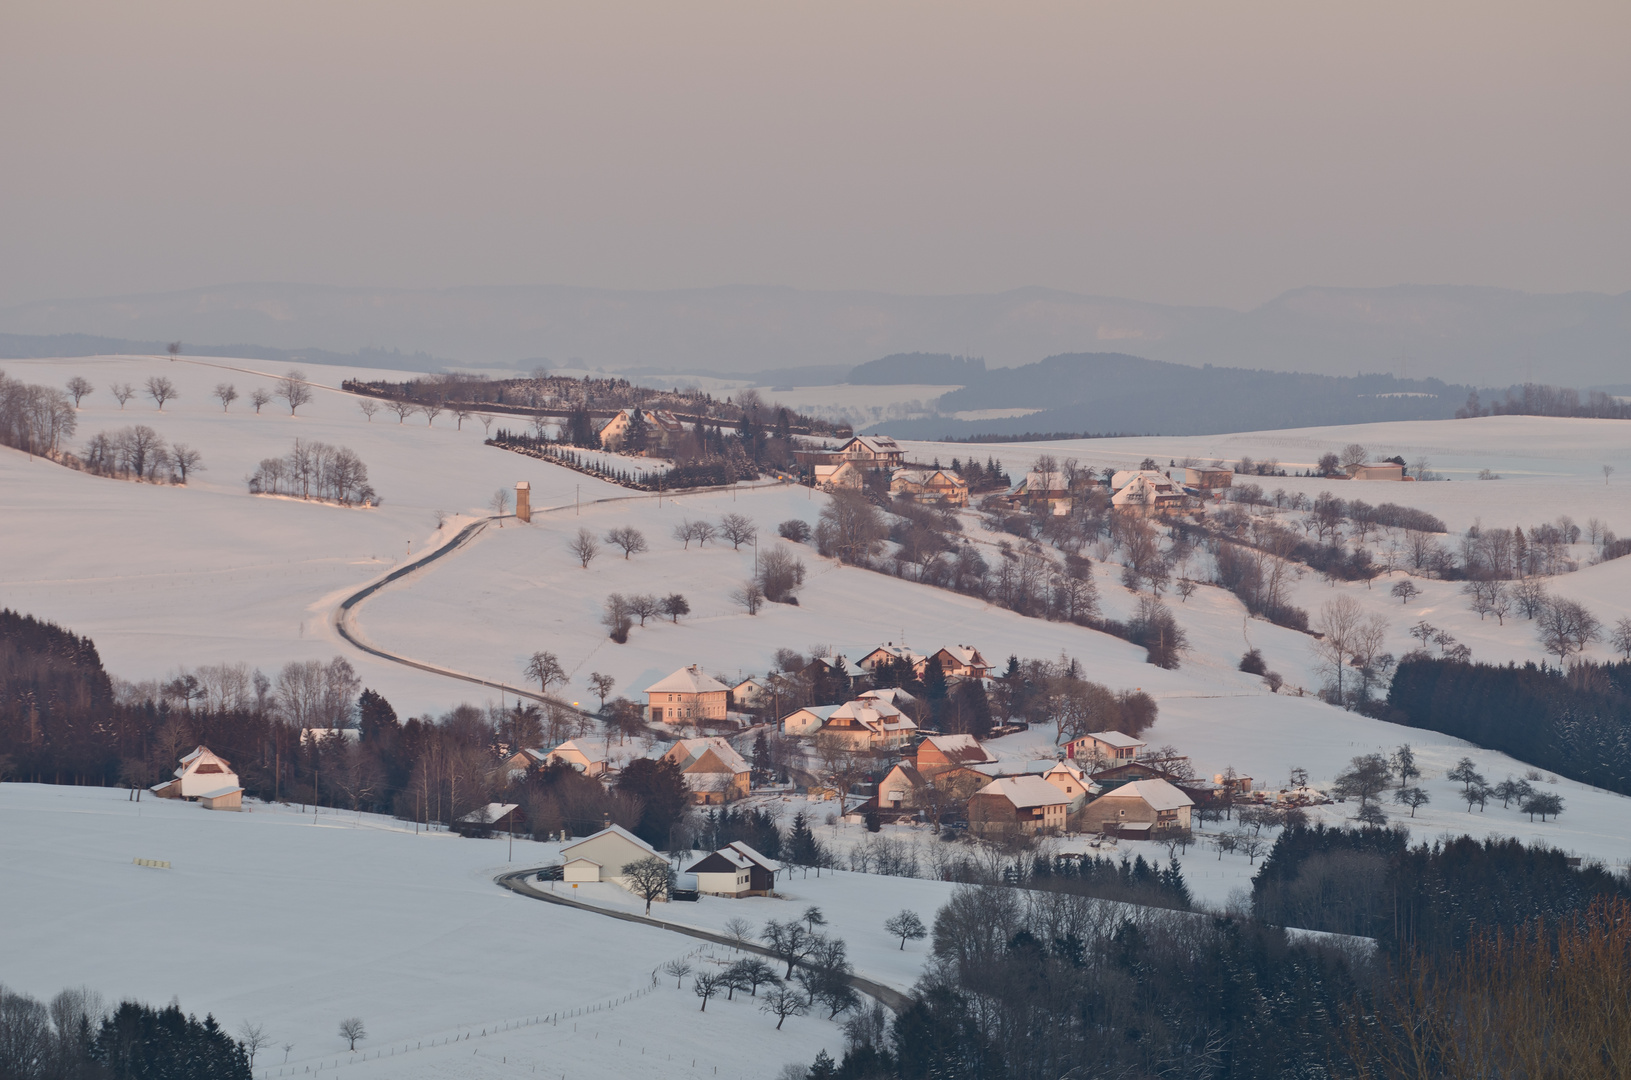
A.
x: 763, y: 772
x: 376, y: 720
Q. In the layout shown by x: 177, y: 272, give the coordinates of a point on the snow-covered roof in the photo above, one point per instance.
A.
x: 923, y: 476
x: 1114, y: 738
x: 747, y: 852
x: 1010, y: 767
x: 218, y: 792
x: 877, y: 444
x: 687, y: 752
x: 1159, y: 794
x: 964, y: 654
x: 613, y: 830
x: 874, y: 714
x: 583, y: 748
x: 960, y: 748
x: 688, y: 680
x: 892, y: 695
x: 487, y: 814
x: 1026, y: 791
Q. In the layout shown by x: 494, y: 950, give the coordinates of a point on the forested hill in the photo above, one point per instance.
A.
x: 1113, y: 393
x: 919, y: 368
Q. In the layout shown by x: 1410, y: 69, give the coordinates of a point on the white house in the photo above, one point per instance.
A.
x: 200, y: 773
x: 1146, y: 492
x: 603, y: 856
x: 584, y: 755
x: 1106, y: 747
x: 735, y: 870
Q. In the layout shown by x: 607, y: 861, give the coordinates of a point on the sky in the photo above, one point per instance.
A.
x: 1196, y: 153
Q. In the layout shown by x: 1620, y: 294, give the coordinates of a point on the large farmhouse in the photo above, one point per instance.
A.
x: 688, y: 696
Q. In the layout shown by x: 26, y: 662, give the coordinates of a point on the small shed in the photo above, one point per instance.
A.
x: 227, y: 798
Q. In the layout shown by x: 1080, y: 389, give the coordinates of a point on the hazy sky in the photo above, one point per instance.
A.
x: 1195, y: 153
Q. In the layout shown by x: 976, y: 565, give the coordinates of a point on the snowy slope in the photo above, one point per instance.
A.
x: 268, y: 917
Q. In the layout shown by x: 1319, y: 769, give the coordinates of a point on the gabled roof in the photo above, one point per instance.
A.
x: 614, y: 830
x: 687, y: 752
x: 748, y: 853
x: 1026, y: 792
x: 820, y: 712
x: 966, y: 655
x: 873, y: 714
x: 1113, y: 738
x: 688, y: 680
x: 584, y: 748
x: 909, y: 772
x: 493, y: 811
x: 963, y: 749
x: 892, y: 695
x: 1158, y: 794
x: 877, y: 444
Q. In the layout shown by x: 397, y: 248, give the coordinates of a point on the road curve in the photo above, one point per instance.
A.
x: 516, y: 882
x: 343, y: 613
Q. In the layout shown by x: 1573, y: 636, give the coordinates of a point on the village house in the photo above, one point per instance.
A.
x: 1145, y: 492
x: 959, y: 662
x: 713, y: 770
x: 602, y: 856
x: 494, y: 817
x: 902, y: 787
x: 734, y: 871
x: 842, y: 474
x: 689, y: 696
x: 888, y: 653
x: 206, y: 777
x: 930, y: 486
x: 1202, y: 478
x: 1100, y: 748
x: 1376, y: 470
x: 868, y: 724
x: 890, y: 695
x: 584, y: 755
x: 807, y: 720
x: 1044, y: 494
x: 1141, y: 809
x: 1072, y: 781
x: 937, y: 753
x: 748, y: 695
x: 1025, y: 804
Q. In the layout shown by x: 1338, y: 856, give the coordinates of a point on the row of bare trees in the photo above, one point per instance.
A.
x: 140, y: 453
x: 315, y: 470
x: 37, y: 419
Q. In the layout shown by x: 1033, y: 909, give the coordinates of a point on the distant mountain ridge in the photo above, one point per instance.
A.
x: 1114, y: 393
x: 1493, y: 337
x: 28, y: 346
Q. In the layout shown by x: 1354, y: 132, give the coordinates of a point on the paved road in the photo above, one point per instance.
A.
x: 516, y: 881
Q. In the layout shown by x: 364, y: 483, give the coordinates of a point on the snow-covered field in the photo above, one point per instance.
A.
x: 295, y: 923
x: 410, y: 930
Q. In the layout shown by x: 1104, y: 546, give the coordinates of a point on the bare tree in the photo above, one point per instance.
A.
x: 648, y: 878
x: 1620, y: 638
x: 739, y: 930
x: 738, y: 529
x: 226, y: 394
x: 1406, y: 591
x: 175, y: 349
x: 750, y: 596
x: 782, y: 1003
x: 789, y: 942
x: 403, y: 409
x: 584, y: 547
x: 1352, y: 454
x: 254, y: 1038
x: 500, y: 503
x: 431, y: 411
x: 679, y: 969
x: 1412, y: 797
x: 369, y: 407
x: 1365, y: 778
x: 79, y: 387
x: 546, y: 668
x: 486, y: 424
x: 293, y: 389
x: 161, y: 390
x: 259, y: 397
x: 645, y: 606
x: 1566, y: 627
x: 1531, y: 597
x: 1337, y: 628
x: 122, y: 392
x: 781, y: 573
x: 703, y: 531
x: 675, y: 605
x: 906, y: 926
x: 602, y: 686
x: 461, y: 413
x: 630, y: 539
x: 351, y: 1029
x: 685, y: 532
x: 1608, y: 471
x: 186, y: 460
x: 617, y: 618
x: 707, y: 984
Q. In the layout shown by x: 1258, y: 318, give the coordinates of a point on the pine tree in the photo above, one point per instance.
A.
x: 763, y: 771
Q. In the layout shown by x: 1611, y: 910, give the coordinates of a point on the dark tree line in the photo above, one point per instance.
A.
x: 74, y: 1038
x: 1429, y: 897
x: 1576, y: 723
